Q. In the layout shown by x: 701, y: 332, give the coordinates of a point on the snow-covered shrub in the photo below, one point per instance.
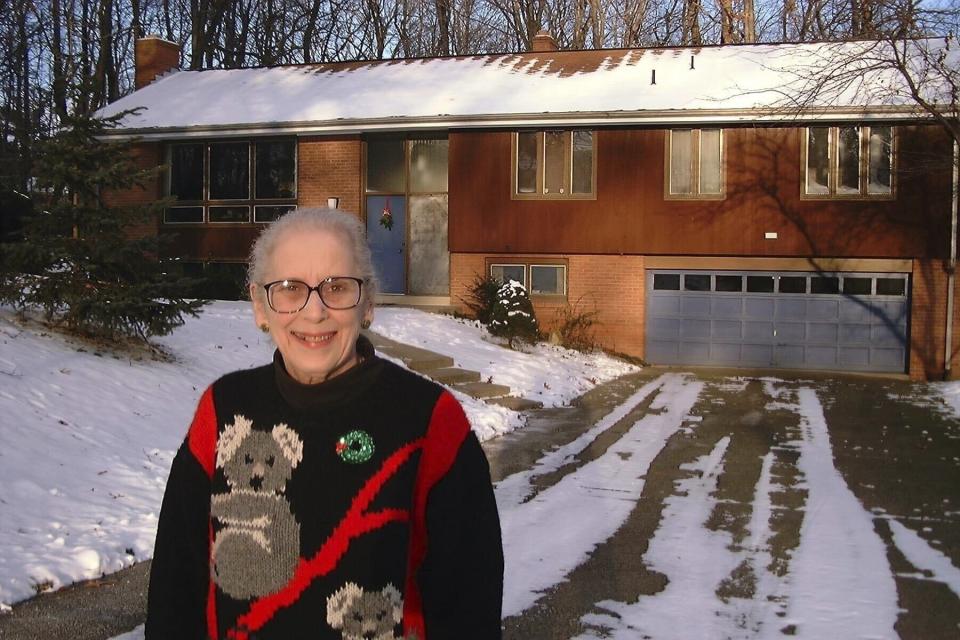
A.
x: 512, y: 316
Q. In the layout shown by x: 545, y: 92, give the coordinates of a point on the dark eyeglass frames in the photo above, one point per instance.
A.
x: 335, y: 292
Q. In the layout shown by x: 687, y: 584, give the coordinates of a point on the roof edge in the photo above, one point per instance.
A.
x: 582, y: 119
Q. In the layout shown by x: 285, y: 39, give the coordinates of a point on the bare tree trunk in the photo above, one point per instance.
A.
x: 105, y: 78
x: 443, y: 9
x: 166, y: 20
x: 310, y: 30
x: 691, y: 22
x: 749, y: 22
x: 726, y: 22
x: 136, y: 25
x: 56, y: 45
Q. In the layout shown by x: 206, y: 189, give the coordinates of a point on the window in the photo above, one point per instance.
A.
x: 695, y: 163
x: 223, y: 182
x: 537, y: 279
x: 554, y: 164
x: 849, y: 161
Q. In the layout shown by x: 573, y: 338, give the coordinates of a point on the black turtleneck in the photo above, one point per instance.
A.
x: 314, y: 507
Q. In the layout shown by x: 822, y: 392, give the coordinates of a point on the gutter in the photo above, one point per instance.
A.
x: 952, y: 265
x: 443, y: 122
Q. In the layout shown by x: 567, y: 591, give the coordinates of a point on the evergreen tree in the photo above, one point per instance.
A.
x: 512, y: 316
x: 76, y: 260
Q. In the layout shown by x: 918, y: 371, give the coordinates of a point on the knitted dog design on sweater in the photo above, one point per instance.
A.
x: 365, y: 615
x: 257, y: 547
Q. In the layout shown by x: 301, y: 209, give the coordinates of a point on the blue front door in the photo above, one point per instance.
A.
x: 388, y: 246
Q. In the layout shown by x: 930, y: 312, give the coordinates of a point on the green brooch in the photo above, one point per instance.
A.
x: 355, y: 447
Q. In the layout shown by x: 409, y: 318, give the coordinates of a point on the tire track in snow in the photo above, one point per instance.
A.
x: 840, y: 583
x: 694, y: 558
x: 519, y: 487
x: 587, y: 506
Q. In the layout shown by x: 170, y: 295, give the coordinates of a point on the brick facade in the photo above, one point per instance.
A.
x: 329, y: 167
x: 613, y: 286
x: 928, y: 315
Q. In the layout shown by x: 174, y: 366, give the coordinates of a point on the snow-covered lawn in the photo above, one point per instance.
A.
x: 87, y: 436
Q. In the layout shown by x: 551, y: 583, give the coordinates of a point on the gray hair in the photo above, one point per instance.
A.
x: 315, y: 219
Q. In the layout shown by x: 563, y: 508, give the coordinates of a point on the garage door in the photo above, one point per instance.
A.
x: 847, y: 321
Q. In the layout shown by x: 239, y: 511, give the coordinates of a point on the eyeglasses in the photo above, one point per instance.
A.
x: 335, y: 292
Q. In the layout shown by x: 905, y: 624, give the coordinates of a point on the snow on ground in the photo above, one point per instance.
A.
x: 951, y: 394
x: 840, y: 558
x: 543, y: 372
x: 587, y: 506
x: 87, y: 438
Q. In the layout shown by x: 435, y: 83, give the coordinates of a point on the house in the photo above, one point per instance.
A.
x: 673, y: 191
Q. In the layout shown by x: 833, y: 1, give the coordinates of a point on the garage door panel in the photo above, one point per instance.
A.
x: 884, y: 336
x: 886, y: 357
x: 791, y: 331
x: 723, y: 353
x: 663, y: 328
x: 757, y: 354
x: 855, y: 357
x: 857, y: 310
x: 759, y: 331
x: 823, y: 330
x: 727, y: 329
x: 791, y: 308
x: 698, y: 306
x: 661, y: 351
x: 694, y: 329
x: 856, y: 333
x: 820, y: 309
x: 759, y: 308
x: 663, y: 305
x: 727, y: 307
x: 822, y: 357
x: 819, y: 332
x: 786, y: 355
x: 693, y: 352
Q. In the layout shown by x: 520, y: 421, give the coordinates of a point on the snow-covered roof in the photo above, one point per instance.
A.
x: 740, y: 83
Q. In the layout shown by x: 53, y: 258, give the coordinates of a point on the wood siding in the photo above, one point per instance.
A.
x: 763, y: 194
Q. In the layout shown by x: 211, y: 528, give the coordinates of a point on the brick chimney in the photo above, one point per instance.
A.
x: 543, y: 41
x: 154, y: 56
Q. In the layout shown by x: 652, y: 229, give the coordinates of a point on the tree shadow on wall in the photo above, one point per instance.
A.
x: 764, y: 181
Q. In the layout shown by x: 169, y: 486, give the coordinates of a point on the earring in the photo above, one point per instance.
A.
x: 365, y: 324
x: 265, y: 328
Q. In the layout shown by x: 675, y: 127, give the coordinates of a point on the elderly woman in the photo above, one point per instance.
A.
x: 330, y: 494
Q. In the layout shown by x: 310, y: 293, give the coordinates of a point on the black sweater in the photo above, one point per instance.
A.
x: 360, y: 507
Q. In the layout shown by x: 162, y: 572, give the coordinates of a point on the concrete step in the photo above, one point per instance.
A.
x: 428, y: 364
x: 416, y: 358
x: 481, y: 390
x: 516, y: 404
x: 452, y: 376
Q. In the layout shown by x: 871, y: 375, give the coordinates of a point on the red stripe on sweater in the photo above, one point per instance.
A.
x: 356, y: 523
x: 202, y: 437
x: 446, y: 432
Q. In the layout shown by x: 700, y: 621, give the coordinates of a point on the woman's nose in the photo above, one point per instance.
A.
x: 315, y: 306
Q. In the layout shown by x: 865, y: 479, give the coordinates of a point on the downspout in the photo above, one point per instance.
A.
x: 952, y: 265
